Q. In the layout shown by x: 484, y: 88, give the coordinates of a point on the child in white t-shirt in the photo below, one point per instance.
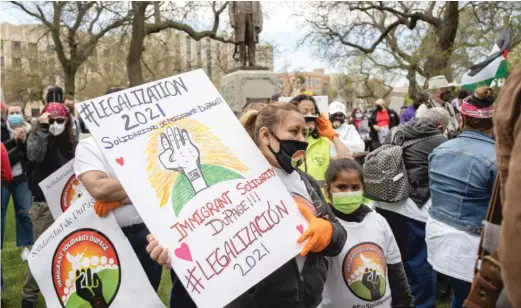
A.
x: 369, y: 270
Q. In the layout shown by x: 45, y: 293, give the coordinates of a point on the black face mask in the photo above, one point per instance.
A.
x: 291, y: 155
x: 337, y: 117
x: 310, y: 119
x: 446, y: 97
x: 379, y: 108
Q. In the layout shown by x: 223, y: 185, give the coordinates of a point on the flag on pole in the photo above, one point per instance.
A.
x: 493, y: 67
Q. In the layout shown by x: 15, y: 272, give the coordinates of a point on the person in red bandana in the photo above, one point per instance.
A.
x: 51, y: 147
x: 462, y: 172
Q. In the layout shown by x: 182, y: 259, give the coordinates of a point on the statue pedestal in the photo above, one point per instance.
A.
x: 246, y: 86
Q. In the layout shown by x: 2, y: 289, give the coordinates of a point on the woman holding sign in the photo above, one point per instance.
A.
x: 280, y: 132
x: 51, y: 147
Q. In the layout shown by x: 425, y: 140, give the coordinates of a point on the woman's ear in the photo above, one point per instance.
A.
x: 264, y: 136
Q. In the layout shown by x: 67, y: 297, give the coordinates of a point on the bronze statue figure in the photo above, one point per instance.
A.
x: 246, y: 20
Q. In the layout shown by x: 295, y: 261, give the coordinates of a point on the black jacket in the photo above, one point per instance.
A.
x: 46, y: 154
x: 17, y: 150
x: 394, y: 120
x: 288, y: 288
x: 416, y: 156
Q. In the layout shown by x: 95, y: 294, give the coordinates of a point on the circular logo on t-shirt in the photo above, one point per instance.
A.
x: 71, y: 192
x: 86, y: 270
x: 365, y: 271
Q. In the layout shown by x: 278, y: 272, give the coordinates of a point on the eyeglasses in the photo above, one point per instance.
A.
x: 59, y: 121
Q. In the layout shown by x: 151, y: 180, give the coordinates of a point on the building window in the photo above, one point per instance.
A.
x: 318, y: 82
x: 52, y: 80
x: 1, y: 61
x: 2, y: 44
x: 17, y: 62
x: 310, y: 81
x: 188, y: 52
x: 50, y: 49
x: 16, y: 46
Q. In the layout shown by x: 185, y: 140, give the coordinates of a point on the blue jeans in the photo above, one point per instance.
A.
x: 460, y: 291
x: 22, y: 198
x: 410, y: 237
x: 179, y: 297
x: 137, y: 236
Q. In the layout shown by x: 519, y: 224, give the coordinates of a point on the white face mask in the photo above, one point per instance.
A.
x: 56, y: 129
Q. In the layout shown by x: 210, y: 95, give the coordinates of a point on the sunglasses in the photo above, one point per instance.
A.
x: 59, y: 121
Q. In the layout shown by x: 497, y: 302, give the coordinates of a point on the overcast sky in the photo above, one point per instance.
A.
x: 281, y: 29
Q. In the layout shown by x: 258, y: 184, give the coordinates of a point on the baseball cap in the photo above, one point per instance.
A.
x: 335, y: 107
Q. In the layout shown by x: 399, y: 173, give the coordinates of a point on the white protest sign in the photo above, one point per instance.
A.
x: 322, y: 102
x: 61, y: 189
x: 199, y: 182
x: 83, y: 260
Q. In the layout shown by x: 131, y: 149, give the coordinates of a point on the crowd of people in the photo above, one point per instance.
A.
x: 365, y: 247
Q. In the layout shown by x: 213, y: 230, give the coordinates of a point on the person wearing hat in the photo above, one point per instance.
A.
x: 440, y: 96
x: 48, y: 149
x: 462, y: 172
x: 346, y: 132
x: 323, y: 142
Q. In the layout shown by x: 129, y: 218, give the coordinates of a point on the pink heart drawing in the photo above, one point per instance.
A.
x: 120, y: 161
x: 183, y: 252
x: 300, y: 229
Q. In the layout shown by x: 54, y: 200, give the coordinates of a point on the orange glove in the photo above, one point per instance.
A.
x: 102, y: 208
x: 325, y: 128
x: 319, y: 231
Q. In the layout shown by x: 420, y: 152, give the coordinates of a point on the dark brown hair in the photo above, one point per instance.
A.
x: 67, y: 136
x: 269, y: 117
x: 336, y: 166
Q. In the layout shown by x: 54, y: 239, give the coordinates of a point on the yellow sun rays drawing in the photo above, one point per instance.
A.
x: 210, y: 147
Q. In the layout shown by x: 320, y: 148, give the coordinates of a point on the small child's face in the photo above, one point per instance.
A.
x: 346, y: 181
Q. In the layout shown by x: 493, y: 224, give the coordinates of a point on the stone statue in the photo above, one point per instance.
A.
x: 246, y: 20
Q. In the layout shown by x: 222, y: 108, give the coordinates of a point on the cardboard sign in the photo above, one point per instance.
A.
x: 61, y: 189
x: 83, y: 260
x: 322, y: 102
x: 199, y: 182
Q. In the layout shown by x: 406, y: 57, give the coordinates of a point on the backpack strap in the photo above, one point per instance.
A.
x: 414, y: 141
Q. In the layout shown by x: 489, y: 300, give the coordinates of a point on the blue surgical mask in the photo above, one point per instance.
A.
x: 15, y: 120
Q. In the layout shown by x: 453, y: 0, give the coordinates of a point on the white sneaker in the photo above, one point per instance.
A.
x: 25, y: 254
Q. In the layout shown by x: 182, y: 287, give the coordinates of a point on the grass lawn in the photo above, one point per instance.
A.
x: 16, y: 269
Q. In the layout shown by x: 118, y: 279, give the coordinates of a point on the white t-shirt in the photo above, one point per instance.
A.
x: 296, y: 187
x: 450, y: 251
x: 350, y: 137
x: 90, y: 158
x: 357, y: 277
x: 407, y: 208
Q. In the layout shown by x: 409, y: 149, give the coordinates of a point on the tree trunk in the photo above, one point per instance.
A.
x: 134, y: 70
x: 413, y: 86
x: 70, y: 79
x: 439, y: 63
